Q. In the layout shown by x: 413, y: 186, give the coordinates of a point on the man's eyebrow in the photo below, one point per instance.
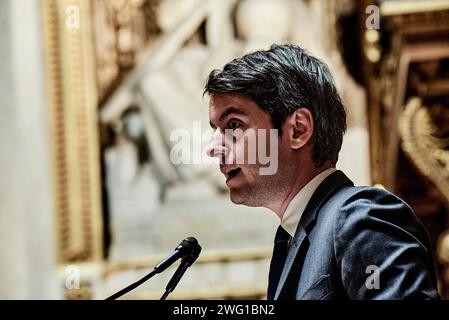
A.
x: 231, y: 110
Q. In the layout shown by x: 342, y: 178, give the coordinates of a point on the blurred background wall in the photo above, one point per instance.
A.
x: 27, y: 230
x: 91, y: 92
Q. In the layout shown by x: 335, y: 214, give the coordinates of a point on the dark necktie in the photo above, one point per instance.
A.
x: 280, y: 251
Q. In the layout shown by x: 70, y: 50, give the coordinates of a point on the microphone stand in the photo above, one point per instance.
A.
x: 132, y: 286
x: 175, y: 278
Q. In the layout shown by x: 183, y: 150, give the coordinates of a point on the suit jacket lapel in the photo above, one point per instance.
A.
x: 323, y: 192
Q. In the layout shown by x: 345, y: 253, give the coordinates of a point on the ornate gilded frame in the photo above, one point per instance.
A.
x: 386, y: 90
x: 73, y: 112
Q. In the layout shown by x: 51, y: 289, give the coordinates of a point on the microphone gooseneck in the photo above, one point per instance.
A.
x: 188, y: 250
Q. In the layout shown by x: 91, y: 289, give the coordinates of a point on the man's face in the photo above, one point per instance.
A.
x: 243, y: 133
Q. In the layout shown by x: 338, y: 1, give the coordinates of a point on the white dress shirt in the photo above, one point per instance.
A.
x: 296, y: 207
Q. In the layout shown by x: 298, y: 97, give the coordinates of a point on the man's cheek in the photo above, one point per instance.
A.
x: 239, y: 153
x: 269, y: 157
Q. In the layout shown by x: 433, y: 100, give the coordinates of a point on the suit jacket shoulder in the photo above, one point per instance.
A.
x: 381, y: 248
x: 358, y: 243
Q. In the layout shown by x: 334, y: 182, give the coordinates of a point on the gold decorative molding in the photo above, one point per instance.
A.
x: 72, y: 99
x: 210, y: 256
x: 413, y: 36
x: 229, y: 292
x: 443, y: 249
x: 200, y: 292
x: 428, y: 153
x: 399, y: 7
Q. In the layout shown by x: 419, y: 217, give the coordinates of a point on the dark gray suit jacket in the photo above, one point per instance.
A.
x: 357, y: 243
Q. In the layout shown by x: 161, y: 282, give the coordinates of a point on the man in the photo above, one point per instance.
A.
x: 335, y: 241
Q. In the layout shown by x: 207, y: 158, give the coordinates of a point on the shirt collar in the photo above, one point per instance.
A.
x: 298, y: 204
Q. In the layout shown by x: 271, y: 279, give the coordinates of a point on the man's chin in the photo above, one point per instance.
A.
x: 236, y: 198
x: 240, y: 199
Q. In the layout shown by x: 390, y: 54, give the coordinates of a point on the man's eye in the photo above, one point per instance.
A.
x: 233, y: 124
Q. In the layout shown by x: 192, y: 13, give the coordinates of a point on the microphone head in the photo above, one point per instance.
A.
x: 187, y: 250
x: 193, y: 250
x: 187, y: 244
x: 191, y: 240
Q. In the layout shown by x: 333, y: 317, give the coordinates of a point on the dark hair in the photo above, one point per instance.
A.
x: 281, y: 80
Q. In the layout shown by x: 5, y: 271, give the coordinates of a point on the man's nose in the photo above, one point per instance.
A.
x: 216, y: 147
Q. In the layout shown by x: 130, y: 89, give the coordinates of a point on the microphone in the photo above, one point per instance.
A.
x: 185, y: 248
x: 188, y: 250
x: 186, y: 262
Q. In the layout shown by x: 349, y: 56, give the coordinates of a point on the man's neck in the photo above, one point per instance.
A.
x: 303, y: 178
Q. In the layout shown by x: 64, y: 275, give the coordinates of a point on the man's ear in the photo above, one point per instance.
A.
x: 299, y: 128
